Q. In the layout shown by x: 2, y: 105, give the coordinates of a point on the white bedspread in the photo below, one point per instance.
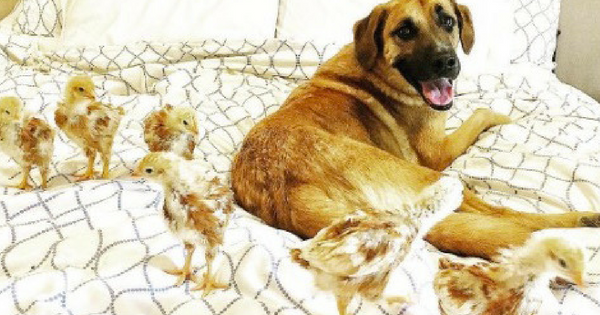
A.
x: 98, y: 247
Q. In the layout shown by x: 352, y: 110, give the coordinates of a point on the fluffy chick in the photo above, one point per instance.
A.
x: 499, y: 288
x: 172, y: 129
x: 90, y: 124
x: 26, y: 139
x: 356, y: 255
x: 196, y: 210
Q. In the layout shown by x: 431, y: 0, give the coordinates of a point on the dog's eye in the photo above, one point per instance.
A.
x: 80, y: 89
x: 447, y: 22
x: 407, y: 31
x: 148, y: 171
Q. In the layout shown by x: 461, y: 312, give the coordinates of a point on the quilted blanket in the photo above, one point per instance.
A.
x: 98, y: 247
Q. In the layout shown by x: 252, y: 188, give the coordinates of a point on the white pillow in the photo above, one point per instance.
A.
x: 39, y: 17
x: 118, y: 22
x: 493, y: 24
x: 322, y: 20
x: 535, y: 28
x: 332, y: 21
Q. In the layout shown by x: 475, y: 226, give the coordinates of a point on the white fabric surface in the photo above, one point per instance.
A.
x: 39, y: 17
x: 98, y: 247
x: 118, y: 22
x: 535, y: 31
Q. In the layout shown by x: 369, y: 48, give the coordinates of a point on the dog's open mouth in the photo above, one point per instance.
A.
x: 439, y: 93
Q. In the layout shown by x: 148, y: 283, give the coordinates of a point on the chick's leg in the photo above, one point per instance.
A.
x: 105, y: 164
x: 186, y: 272
x: 392, y: 300
x: 44, y: 172
x: 209, y: 283
x: 89, y: 174
x: 342, y: 303
x: 24, y: 185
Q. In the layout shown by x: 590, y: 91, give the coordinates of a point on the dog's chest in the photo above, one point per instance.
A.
x: 400, y: 147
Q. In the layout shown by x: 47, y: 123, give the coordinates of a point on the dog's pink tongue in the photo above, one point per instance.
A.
x: 438, y: 92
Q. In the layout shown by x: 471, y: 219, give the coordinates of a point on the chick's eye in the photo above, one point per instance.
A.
x: 148, y: 171
x: 8, y: 112
x: 562, y: 263
x: 80, y: 89
x: 185, y: 122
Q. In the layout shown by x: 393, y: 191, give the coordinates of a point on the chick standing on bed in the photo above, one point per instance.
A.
x: 355, y: 255
x: 172, y: 129
x: 26, y: 139
x: 196, y: 209
x: 90, y: 124
x: 499, y: 288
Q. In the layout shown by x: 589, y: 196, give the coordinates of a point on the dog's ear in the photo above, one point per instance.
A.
x: 368, y: 40
x: 465, y: 26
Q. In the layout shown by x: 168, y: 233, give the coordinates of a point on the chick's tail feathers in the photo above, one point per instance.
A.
x: 445, y: 263
x: 296, y: 254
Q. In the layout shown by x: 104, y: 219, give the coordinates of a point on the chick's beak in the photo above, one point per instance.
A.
x: 577, y: 277
x: 136, y: 173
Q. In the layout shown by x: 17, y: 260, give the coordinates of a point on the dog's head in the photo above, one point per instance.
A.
x: 414, y: 42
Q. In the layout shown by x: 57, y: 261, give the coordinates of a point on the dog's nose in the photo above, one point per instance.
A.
x: 445, y: 64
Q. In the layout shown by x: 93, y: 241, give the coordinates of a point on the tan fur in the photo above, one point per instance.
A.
x: 358, y: 136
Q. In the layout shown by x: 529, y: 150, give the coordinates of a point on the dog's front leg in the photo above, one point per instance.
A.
x: 462, y: 138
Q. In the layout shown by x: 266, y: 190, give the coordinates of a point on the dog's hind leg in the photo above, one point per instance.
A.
x: 472, y: 234
x: 480, y: 229
x: 536, y: 221
x: 313, y: 208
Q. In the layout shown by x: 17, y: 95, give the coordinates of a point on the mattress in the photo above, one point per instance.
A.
x: 99, y: 247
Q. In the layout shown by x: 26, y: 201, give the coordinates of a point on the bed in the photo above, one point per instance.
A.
x: 98, y: 247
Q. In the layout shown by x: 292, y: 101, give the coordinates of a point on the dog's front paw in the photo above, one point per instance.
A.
x: 590, y: 221
x: 492, y: 118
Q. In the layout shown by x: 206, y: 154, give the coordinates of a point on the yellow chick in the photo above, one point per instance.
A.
x: 499, y: 288
x: 90, y: 124
x: 196, y: 210
x: 172, y: 129
x: 26, y: 139
x: 356, y: 255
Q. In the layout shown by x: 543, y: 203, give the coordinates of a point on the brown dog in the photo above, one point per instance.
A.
x: 367, y: 131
